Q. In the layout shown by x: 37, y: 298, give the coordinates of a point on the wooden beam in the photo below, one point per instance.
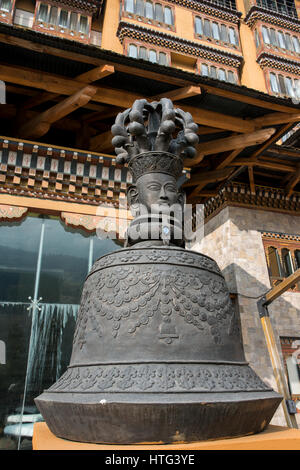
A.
x: 270, y: 141
x: 282, y: 287
x: 96, y: 74
x: 83, y: 58
x: 219, y: 120
x: 229, y: 143
x: 120, y: 98
x: 208, y: 177
x: 293, y: 181
x: 263, y: 164
x: 64, y: 86
x: 205, y: 130
x: 101, y: 142
x: 251, y: 180
x: 228, y: 159
x: 41, y: 124
x: 179, y: 94
x: 275, y: 118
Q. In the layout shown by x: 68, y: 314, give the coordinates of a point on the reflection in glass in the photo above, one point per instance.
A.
x: 43, y: 259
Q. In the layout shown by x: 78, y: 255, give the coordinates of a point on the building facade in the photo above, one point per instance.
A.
x: 67, y: 68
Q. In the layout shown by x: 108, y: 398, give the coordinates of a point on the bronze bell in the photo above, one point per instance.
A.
x: 157, y: 354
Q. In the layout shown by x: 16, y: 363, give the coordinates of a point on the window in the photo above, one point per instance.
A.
x: 265, y: 34
x: 143, y: 53
x: 213, y: 72
x: 224, y: 33
x: 216, y: 31
x: 204, y: 70
x: 132, y: 51
x: 129, y: 6
x: 222, y: 75
x: 206, y: 28
x: 290, y: 347
x: 139, y: 7
x: 168, y: 16
x: 232, y: 36
x: 162, y: 58
x: 198, y: 26
x: 5, y: 5
x: 218, y: 73
x: 282, y: 256
x: 150, y: 11
x: 296, y: 44
x: 61, y: 21
x: 152, y: 55
x: 281, y: 40
x: 285, y: 41
x: 66, y: 257
x: 286, y: 86
x: 159, y: 13
x: 274, y: 83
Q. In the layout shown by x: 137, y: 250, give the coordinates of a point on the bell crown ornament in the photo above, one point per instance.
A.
x: 154, y: 137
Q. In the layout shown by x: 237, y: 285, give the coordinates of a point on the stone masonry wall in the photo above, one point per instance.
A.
x: 234, y: 240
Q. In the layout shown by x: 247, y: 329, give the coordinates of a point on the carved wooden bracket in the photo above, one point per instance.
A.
x: 10, y: 213
x: 90, y: 223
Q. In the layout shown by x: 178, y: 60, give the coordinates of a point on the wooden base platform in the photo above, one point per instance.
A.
x: 273, y: 438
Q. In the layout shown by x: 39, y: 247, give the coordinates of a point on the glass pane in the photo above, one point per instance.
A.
x: 204, y: 70
x: 168, y: 16
x: 53, y: 15
x: 129, y: 6
x: 159, y: 14
x: 282, y: 86
x: 273, y: 37
x: 83, y: 25
x: 297, y: 258
x: 43, y: 12
x: 281, y: 40
x: 222, y: 74
x: 143, y: 53
x: 63, y: 19
x: 289, y: 87
x: 19, y: 244
x: 215, y: 31
x: 288, y: 42
x: 64, y: 263
x: 274, y: 262
x: 224, y: 33
x: 149, y: 10
x: 296, y: 44
x: 231, y: 77
x: 198, y: 25
x: 206, y: 28
x: 139, y: 7
x: 232, y: 36
x: 287, y: 262
x: 162, y: 58
x: 265, y: 35
x: 132, y: 51
x: 5, y: 5
x: 274, y: 83
x: 73, y: 21
x: 213, y: 72
x: 152, y: 56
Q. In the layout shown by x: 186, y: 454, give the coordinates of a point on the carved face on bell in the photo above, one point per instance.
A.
x: 157, y: 192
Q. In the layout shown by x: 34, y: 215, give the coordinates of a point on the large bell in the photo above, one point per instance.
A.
x: 157, y: 353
